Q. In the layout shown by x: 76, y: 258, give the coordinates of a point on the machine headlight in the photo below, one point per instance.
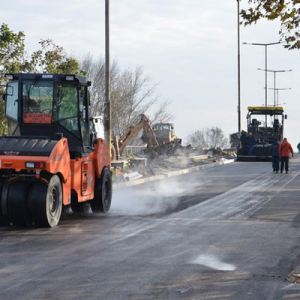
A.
x: 70, y: 78
x: 35, y: 165
x: 9, y: 76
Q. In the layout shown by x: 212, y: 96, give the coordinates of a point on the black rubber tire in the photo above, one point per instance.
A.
x: 3, y: 203
x: 103, y: 193
x: 18, y: 213
x: 45, y: 202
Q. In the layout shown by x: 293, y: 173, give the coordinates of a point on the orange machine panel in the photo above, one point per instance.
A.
x: 87, y: 177
x: 59, y: 163
x: 82, y: 178
x: 101, y: 157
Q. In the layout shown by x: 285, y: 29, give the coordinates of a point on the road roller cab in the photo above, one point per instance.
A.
x: 52, y: 156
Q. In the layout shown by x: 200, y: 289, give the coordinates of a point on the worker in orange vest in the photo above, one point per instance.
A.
x: 285, y: 149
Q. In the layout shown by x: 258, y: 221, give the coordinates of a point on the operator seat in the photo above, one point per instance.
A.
x: 276, y: 125
x: 255, y: 123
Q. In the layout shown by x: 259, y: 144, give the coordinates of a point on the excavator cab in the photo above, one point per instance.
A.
x: 165, y: 133
x: 55, y: 154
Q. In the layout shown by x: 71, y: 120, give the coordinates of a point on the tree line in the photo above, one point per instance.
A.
x: 132, y: 90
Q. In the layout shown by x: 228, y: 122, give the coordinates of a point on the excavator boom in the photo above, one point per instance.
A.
x: 132, y: 132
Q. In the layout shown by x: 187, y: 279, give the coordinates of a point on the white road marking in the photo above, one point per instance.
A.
x: 213, y: 262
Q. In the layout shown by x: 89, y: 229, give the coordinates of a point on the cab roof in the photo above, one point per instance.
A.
x: 56, y: 77
x: 266, y: 110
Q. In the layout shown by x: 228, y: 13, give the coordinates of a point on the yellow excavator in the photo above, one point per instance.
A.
x: 160, y: 138
x: 131, y: 133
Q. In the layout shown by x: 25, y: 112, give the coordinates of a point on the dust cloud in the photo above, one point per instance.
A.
x: 147, y: 200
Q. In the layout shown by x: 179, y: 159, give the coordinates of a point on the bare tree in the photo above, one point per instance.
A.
x: 162, y: 114
x: 212, y: 137
x: 96, y: 74
x: 132, y: 94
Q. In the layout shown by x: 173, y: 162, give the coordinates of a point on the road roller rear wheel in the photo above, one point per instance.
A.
x: 103, y: 193
x: 45, y: 202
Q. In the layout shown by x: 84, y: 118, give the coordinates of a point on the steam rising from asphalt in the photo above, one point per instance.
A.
x: 141, y: 200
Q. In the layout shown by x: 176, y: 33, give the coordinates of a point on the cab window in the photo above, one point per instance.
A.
x: 66, y: 108
x: 37, y: 96
x: 84, y: 122
x: 11, y: 104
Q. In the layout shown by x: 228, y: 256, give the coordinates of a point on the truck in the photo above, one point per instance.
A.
x: 53, y: 156
x: 264, y: 132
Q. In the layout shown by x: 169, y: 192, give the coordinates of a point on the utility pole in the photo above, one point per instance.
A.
x: 239, y: 66
x: 107, y: 120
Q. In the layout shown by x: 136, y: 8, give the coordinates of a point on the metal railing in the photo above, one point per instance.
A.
x: 133, y: 149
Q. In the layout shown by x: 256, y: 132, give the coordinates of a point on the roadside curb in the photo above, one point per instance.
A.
x: 172, y: 174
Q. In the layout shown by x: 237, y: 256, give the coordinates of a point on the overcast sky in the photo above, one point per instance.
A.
x: 189, y: 47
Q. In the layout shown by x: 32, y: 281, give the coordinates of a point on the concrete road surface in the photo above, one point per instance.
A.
x: 230, y: 232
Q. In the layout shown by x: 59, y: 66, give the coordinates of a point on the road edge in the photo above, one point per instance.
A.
x: 172, y: 174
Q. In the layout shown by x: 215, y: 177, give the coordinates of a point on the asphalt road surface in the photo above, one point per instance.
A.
x: 230, y: 232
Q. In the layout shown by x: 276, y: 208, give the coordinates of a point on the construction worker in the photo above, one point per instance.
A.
x: 285, y: 149
x: 244, y: 142
x: 275, y: 155
x: 298, y: 147
x: 251, y: 142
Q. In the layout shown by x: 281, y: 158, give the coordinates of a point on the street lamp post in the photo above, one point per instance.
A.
x: 239, y: 66
x: 279, y: 89
x: 275, y: 71
x: 107, y: 118
x: 266, y: 67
